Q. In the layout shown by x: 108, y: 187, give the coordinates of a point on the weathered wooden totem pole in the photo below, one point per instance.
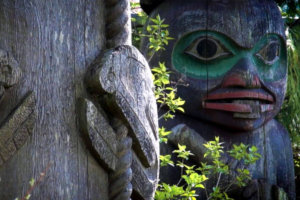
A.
x: 77, y: 109
x: 229, y: 61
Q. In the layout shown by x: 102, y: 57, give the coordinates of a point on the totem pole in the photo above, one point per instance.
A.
x: 77, y: 109
x: 228, y: 60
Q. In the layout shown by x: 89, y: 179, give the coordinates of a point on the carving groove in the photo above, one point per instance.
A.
x: 98, y: 133
x: 141, y: 181
x: 15, y: 131
x: 117, y: 23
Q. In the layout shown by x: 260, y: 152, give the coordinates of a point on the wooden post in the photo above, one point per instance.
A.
x: 53, y: 43
x: 49, y: 120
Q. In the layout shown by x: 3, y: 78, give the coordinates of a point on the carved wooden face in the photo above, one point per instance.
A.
x: 230, y: 57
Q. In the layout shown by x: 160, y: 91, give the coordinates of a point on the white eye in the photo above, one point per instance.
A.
x: 269, y: 53
x: 207, y: 49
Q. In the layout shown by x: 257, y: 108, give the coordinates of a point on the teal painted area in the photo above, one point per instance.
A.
x: 275, y: 71
x: 200, y: 69
x: 196, y: 68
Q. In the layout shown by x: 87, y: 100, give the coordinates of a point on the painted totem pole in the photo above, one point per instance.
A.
x: 77, y: 109
x: 229, y: 61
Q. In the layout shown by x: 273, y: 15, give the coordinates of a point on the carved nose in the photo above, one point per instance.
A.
x: 241, y: 80
x: 243, y: 75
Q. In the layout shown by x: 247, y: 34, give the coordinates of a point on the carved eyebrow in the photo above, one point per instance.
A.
x: 267, y: 39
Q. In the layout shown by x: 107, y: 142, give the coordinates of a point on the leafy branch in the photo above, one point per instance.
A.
x: 196, y: 178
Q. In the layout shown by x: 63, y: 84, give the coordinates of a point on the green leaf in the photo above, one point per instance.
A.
x: 31, y: 182
x: 166, y: 160
x: 180, y: 109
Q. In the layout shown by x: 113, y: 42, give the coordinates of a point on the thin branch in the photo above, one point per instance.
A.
x: 205, y: 191
x: 160, y: 106
x: 219, y: 178
x: 40, y: 179
x: 163, y: 115
x: 229, y: 186
x: 181, y: 173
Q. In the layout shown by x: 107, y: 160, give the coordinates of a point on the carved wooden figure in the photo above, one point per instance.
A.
x: 121, y: 86
x: 229, y: 60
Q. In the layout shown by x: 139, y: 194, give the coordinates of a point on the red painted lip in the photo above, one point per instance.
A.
x: 240, y: 95
x: 211, y: 101
x: 229, y: 107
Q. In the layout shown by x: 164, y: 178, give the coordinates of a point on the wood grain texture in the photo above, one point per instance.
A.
x: 53, y: 43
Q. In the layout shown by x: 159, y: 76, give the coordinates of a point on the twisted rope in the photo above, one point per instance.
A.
x: 120, y: 180
x: 118, y: 32
x: 118, y: 24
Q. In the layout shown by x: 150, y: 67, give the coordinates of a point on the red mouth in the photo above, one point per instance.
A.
x: 240, y: 102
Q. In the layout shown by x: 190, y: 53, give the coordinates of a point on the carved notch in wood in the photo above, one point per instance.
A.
x: 9, y: 71
x: 16, y: 129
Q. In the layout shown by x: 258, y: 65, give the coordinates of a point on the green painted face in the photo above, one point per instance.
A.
x: 207, y: 54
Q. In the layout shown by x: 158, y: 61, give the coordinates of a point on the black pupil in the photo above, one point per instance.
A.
x: 272, y: 52
x: 207, y: 48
